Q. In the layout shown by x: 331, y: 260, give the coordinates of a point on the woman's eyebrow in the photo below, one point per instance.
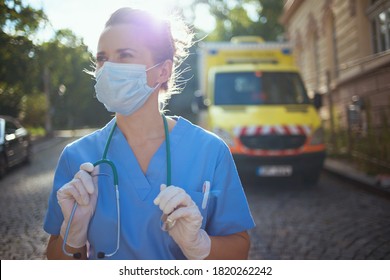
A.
x: 125, y: 49
x: 118, y: 51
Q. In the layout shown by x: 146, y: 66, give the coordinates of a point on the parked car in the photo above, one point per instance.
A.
x: 15, y: 144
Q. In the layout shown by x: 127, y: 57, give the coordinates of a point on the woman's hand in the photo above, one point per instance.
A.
x: 83, y: 190
x: 184, y: 213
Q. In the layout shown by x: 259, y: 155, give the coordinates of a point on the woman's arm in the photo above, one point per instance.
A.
x: 54, y: 249
x: 230, y: 247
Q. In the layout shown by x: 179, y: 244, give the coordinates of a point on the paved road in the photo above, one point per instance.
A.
x: 335, y: 220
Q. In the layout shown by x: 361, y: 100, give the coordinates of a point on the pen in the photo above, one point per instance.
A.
x: 206, y: 192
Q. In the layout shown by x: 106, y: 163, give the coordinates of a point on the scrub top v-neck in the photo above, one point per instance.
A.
x: 130, y: 167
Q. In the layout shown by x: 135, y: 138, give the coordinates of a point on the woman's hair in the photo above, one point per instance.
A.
x: 167, y: 39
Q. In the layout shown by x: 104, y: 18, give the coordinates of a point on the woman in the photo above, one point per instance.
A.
x: 180, y: 194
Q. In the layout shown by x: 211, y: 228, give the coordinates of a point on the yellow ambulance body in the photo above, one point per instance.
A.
x: 256, y: 101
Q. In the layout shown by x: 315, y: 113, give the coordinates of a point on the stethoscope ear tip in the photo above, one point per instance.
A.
x: 101, y: 255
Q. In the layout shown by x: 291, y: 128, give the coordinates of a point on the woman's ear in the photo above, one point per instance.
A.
x: 165, y: 71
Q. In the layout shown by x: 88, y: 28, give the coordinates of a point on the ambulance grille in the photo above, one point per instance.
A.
x: 273, y: 142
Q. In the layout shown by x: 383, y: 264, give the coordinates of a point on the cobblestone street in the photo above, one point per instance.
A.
x: 23, y: 199
x: 334, y: 220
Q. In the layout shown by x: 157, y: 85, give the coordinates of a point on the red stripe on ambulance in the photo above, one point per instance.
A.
x: 272, y: 130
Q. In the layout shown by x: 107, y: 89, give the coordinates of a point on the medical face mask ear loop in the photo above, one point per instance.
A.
x: 156, y: 86
x: 115, y: 174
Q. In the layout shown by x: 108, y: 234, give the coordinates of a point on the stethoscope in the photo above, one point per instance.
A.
x: 104, y: 160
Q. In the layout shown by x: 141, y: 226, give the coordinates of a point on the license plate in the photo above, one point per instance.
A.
x: 274, y: 171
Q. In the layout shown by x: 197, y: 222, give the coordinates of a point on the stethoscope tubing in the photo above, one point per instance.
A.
x: 100, y: 254
x: 75, y: 255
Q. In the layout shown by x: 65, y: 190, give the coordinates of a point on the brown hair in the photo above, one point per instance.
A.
x: 167, y: 39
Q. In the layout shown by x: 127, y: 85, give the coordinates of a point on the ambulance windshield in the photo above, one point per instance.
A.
x: 259, y: 88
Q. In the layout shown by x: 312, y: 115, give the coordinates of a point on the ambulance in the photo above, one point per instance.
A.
x: 252, y: 96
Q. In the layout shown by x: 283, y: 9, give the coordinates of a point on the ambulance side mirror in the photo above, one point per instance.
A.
x: 198, y: 103
x: 317, y: 100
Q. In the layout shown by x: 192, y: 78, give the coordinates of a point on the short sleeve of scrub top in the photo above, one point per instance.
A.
x: 197, y: 156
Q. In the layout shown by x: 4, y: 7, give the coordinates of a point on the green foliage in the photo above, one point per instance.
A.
x: 72, y: 100
x: 33, y: 109
x: 19, y: 18
x: 10, y: 97
x: 36, y: 132
x: 245, y: 17
x: 17, y: 54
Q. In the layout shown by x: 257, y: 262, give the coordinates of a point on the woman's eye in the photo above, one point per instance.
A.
x: 126, y: 55
x: 101, y: 58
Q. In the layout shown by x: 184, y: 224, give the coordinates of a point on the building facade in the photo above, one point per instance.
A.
x: 343, y: 50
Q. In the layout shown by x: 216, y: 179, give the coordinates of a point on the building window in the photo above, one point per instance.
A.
x: 379, y: 15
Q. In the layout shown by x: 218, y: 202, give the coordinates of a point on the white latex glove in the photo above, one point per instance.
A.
x: 82, y: 189
x: 187, y: 233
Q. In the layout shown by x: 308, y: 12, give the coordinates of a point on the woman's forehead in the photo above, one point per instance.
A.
x: 121, y: 36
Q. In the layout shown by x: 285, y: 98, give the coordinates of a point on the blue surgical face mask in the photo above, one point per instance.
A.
x: 123, y: 87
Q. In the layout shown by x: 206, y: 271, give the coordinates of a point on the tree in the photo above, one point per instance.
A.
x: 245, y: 17
x: 20, y: 19
x: 17, y: 54
x: 72, y: 102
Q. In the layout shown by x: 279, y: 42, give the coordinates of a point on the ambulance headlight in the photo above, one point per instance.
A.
x: 318, y: 137
x: 224, y: 135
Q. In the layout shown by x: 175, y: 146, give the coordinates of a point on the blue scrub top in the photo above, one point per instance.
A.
x: 197, y: 156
